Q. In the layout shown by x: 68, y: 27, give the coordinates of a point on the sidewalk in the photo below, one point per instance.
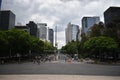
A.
x: 57, y: 77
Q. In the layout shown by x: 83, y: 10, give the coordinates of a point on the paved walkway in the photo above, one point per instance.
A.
x: 56, y: 77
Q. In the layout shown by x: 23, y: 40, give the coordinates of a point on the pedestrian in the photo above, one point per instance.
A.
x: 34, y: 59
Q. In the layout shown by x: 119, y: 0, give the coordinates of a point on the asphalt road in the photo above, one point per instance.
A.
x: 61, y: 67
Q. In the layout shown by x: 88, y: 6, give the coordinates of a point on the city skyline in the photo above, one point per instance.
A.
x: 57, y: 12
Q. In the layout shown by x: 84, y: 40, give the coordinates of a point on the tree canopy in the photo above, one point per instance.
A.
x: 97, y: 46
x: 16, y: 41
x: 100, y: 43
x: 70, y: 48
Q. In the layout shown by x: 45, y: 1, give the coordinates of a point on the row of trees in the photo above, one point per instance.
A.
x: 99, y: 43
x: 16, y: 41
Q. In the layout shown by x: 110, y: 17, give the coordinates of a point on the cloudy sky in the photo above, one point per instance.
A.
x: 57, y: 12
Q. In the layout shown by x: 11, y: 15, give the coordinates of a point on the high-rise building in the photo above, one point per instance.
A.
x: 43, y: 31
x: 79, y: 35
x: 71, y: 32
x: 51, y: 36
x: 7, y: 20
x: 0, y: 4
x: 112, y: 14
x: 33, y: 28
x: 88, y: 22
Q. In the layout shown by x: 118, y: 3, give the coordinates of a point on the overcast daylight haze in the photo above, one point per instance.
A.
x: 57, y: 12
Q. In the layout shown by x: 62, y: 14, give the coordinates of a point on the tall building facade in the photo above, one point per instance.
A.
x: 88, y: 22
x: 51, y: 36
x: 0, y: 4
x: 79, y: 35
x: 71, y: 32
x: 112, y: 14
x: 43, y: 31
x: 33, y: 28
x: 7, y: 20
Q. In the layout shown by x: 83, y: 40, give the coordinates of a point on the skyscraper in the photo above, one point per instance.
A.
x: 43, y: 31
x: 0, y: 4
x: 71, y: 32
x: 33, y: 28
x: 79, y: 35
x: 51, y: 36
x: 7, y: 20
x: 88, y: 22
x: 112, y: 14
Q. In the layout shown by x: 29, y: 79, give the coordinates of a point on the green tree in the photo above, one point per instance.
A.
x: 3, y: 44
x: 36, y: 46
x: 70, y: 48
x: 19, y: 41
x: 16, y: 41
x: 100, y: 45
x: 113, y: 31
x: 80, y: 44
x: 48, y: 48
x: 96, y: 30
